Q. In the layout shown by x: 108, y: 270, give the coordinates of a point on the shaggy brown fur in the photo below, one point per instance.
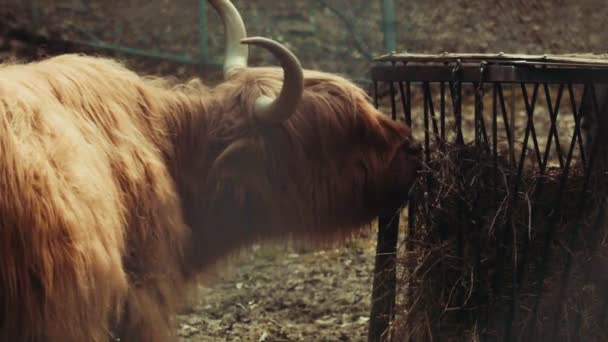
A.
x: 117, y: 191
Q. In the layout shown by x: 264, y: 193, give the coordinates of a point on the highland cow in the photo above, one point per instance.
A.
x: 117, y: 191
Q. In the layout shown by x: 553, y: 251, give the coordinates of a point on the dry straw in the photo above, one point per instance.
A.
x: 479, y: 230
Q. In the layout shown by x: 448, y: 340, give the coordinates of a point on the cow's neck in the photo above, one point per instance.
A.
x: 189, y: 123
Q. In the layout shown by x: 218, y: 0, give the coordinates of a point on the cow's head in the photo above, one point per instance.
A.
x: 298, y: 151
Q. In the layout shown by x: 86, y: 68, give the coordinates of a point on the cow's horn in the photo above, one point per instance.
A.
x: 275, y: 110
x: 236, y: 53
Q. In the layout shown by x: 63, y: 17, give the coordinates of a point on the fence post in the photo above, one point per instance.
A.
x: 389, y: 25
x: 202, y: 31
x: 385, y: 280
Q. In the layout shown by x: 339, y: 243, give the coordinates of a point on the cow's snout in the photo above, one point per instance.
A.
x: 413, y: 148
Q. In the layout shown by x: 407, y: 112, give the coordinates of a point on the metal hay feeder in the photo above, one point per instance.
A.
x: 471, y: 100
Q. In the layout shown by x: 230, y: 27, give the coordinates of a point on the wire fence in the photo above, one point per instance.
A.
x: 340, y: 36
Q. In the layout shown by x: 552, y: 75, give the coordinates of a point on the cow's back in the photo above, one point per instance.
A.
x: 85, y: 198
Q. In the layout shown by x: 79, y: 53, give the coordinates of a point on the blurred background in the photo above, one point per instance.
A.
x: 340, y: 36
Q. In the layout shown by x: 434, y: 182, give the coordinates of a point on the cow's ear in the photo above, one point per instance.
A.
x: 241, y: 186
x: 235, y: 158
x: 240, y: 171
x: 242, y: 200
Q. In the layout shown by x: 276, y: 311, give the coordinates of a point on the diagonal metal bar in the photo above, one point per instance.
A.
x: 393, y: 101
x: 429, y: 98
x: 408, y: 111
x: 456, y: 93
x: 530, y: 129
x: 442, y: 111
x: 481, y: 135
x: 406, y: 103
x: 553, y: 111
x: 505, y: 119
x: 576, y: 112
x: 495, y: 140
x: 427, y: 135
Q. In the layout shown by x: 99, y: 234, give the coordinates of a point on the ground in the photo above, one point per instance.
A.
x: 278, y: 294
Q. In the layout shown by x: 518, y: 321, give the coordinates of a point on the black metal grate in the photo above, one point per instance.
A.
x: 537, y: 116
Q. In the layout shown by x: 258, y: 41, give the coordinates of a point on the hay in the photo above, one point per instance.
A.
x: 457, y: 279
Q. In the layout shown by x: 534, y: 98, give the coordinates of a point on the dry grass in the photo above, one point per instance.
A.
x: 476, y: 235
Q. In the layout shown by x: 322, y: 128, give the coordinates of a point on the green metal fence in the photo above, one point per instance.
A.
x: 203, y: 48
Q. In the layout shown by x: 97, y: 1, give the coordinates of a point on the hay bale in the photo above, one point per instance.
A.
x: 483, y: 240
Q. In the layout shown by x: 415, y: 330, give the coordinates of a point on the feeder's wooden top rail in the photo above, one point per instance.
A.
x: 468, y: 67
x: 600, y: 60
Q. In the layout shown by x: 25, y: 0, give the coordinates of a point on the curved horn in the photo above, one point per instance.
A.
x: 270, y: 110
x: 236, y: 54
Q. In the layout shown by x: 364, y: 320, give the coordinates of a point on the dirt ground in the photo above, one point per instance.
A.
x: 277, y: 293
